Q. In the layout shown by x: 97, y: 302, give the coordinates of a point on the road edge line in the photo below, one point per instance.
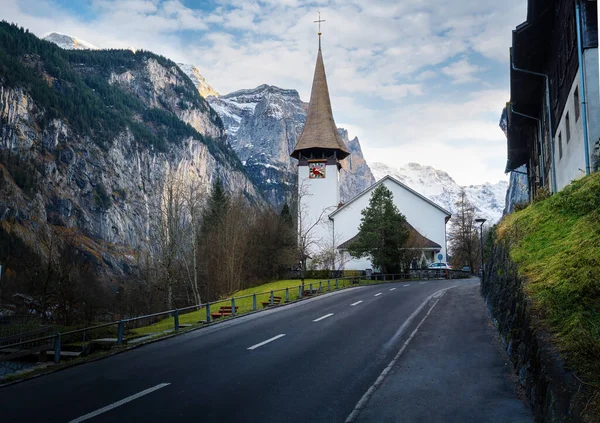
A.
x: 360, y: 405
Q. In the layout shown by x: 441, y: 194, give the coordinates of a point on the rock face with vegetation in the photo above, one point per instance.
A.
x: 543, y: 290
x: 87, y: 139
x: 263, y: 125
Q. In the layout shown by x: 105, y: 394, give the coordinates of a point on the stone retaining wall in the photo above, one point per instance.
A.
x: 553, y: 391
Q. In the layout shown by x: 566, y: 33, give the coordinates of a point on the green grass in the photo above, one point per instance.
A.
x: 556, y: 243
x: 244, y: 304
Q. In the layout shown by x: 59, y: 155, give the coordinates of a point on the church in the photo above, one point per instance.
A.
x: 324, y: 224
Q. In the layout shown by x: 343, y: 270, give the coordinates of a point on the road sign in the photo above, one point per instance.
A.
x: 440, y: 257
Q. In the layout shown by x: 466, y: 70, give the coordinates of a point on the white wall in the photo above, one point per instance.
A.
x: 427, y: 219
x: 590, y: 60
x: 319, y: 198
x: 572, y: 164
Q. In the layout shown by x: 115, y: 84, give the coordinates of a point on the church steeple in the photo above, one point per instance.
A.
x: 320, y: 138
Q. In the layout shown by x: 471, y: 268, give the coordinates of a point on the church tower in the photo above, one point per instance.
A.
x: 319, y: 151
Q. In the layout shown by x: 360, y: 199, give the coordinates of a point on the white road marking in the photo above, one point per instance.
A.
x: 406, y: 285
x: 323, y: 317
x: 266, y: 342
x: 118, y: 403
x: 377, y: 295
x: 367, y: 396
x: 391, y: 289
x: 356, y: 303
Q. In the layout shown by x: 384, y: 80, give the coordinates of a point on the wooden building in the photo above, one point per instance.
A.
x: 554, y: 112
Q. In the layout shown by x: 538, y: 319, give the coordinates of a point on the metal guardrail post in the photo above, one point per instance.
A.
x: 287, y: 295
x: 120, y: 332
x: 299, y: 291
x: 254, y: 302
x: 176, y: 319
x: 320, y: 286
x: 336, y: 283
x: 329, y: 284
x: 57, y: 348
x: 271, y: 298
x: 233, y: 306
x: 311, y: 289
x: 207, y: 313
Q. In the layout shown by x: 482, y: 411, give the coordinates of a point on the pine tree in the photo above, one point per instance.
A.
x: 382, y: 232
x: 216, y: 207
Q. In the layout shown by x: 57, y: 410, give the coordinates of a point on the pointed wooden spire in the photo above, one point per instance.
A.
x: 320, y: 131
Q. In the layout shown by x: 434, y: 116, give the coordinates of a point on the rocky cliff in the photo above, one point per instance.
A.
x: 88, y: 138
x: 518, y: 187
x: 263, y: 125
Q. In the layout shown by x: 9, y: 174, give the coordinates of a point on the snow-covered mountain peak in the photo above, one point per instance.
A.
x: 439, y: 187
x: 199, y: 81
x: 68, y: 42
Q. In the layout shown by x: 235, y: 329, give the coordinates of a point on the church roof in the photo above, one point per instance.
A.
x: 320, y: 131
x: 415, y: 240
x: 394, y: 180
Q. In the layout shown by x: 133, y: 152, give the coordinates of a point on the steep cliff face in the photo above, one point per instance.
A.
x: 199, y: 81
x: 355, y: 175
x: 518, y: 189
x: 104, y: 176
x: 517, y: 192
x: 263, y: 125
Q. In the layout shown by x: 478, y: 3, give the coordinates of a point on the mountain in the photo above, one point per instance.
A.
x: 203, y: 88
x: 518, y: 187
x: 67, y: 42
x: 263, y: 125
x: 439, y: 187
x: 89, y: 138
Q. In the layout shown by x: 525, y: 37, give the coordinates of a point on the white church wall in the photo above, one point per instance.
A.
x: 319, y: 198
x: 427, y: 219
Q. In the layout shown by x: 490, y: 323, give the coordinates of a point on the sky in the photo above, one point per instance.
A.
x: 415, y: 80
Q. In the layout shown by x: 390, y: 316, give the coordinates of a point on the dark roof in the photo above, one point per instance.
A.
x: 320, y: 131
x: 415, y: 239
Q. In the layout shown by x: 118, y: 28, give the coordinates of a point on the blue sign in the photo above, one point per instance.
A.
x: 440, y: 257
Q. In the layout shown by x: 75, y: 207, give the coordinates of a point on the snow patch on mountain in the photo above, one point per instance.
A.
x: 68, y: 42
x: 439, y: 187
x: 199, y: 81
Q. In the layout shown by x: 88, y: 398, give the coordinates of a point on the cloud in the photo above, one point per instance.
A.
x: 387, y: 62
x: 462, y: 71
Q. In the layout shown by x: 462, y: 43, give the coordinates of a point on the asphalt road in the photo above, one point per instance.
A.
x: 322, y: 355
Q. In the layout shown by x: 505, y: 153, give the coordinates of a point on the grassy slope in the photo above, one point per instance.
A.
x: 556, y: 243
x: 244, y: 304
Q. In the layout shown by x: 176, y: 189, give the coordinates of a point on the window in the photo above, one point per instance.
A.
x: 577, y: 104
x: 559, y: 146
x: 568, y: 127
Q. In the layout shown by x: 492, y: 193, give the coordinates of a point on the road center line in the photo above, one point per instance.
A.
x: 377, y: 295
x: 118, y: 403
x: 391, y: 289
x: 406, y: 285
x: 356, y: 303
x: 266, y: 342
x: 323, y: 317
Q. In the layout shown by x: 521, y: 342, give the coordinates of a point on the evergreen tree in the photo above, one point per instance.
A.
x: 286, y: 215
x: 382, y: 232
x: 216, y: 207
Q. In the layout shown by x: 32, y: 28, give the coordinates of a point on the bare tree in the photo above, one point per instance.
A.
x: 463, y: 237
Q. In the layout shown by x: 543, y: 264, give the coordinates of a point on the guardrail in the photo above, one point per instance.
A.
x: 238, y: 305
